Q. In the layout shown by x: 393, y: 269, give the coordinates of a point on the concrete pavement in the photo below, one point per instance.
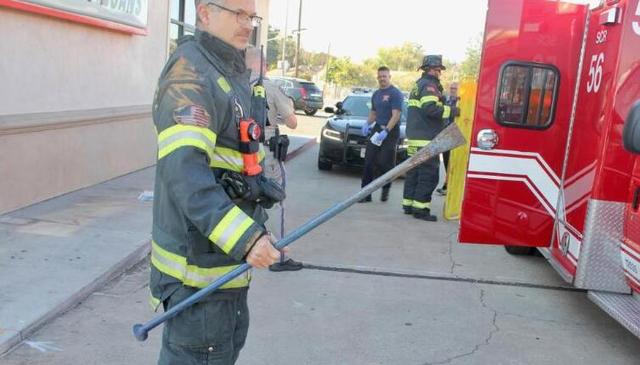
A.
x: 55, y: 253
x: 384, y: 289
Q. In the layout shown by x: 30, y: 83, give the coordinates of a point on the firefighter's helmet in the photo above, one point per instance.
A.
x: 432, y: 61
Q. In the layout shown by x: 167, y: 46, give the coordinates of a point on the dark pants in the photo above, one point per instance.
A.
x: 378, y: 160
x: 445, y: 160
x: 210, y: 332
x: 419, y: 184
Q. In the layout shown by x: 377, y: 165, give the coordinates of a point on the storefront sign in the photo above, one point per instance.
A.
x: 124, y: 15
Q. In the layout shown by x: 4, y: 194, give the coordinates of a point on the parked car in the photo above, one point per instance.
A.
x: 341, y: 139
x: 306, y: 96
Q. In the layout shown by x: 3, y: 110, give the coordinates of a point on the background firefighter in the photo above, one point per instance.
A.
x: 425, y: 119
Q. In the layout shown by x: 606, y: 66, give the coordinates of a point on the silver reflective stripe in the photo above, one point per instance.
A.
x: 183, y: 135
x: 231, y: 229
x: 229, y: 160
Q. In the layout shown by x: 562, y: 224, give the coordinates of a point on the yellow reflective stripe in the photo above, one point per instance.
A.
x: 259, y: 91
x: 224, y: 84
x: 429, y: 99
x: 176, y: 266
x: 178, y: 136
x: 414, y: 103
x: 420, y: 205
x: 227, y: 233
x: 417, y: 142
x: 407, y: 202
x: 226, y: 158
x: 154, y: 302
x: 446, y: 113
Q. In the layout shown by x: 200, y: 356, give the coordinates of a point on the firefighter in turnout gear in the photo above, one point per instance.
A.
x: 426, y: 116
x: 208, y: 212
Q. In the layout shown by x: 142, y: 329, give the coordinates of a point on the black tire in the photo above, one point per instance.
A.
x: 520, y: 251
x: 310, y: 112
x: 324, y: 165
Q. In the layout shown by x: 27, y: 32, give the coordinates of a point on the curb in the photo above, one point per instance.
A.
x: 141, y: 252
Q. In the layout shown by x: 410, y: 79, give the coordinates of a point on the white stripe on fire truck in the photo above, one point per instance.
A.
x: 517, y: 166
x: 524, y: 180
x: 511, y: 153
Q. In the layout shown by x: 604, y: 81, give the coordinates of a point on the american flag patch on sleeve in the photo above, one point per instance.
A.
x: 195, y: 115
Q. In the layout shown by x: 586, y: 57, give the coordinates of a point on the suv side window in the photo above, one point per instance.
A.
x: 526, y: 95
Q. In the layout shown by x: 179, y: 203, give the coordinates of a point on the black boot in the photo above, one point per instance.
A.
x: 385, y: 195
x: 366, y: 199
x: 424, y: 214
x: 407, y: 209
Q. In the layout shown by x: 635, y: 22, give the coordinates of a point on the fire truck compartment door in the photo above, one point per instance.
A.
x: 528, y: 71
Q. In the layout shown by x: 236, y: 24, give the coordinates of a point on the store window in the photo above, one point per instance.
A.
x: 526, y: 95
x: 183, y: 20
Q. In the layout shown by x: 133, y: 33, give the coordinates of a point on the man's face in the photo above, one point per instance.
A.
x: 453, y: 90
x: 228, y: 25
x: 384, y: 79
x: 435, y: 72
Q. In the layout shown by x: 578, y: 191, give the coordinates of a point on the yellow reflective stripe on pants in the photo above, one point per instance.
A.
x: 421, y: 205
x: 230, y: 159
x: 198, y: 277
x: 407, y: 202
x: 178, y: 136
x: 227, y: 233
x: 446, y: 113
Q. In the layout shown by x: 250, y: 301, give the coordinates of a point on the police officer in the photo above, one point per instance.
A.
x: 199, y: 232
x: 382, y: 128
x: 426, y: 116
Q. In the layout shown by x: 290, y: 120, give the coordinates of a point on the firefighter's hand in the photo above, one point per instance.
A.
x: 263, y: 254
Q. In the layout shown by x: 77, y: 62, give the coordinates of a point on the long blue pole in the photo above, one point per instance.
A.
x: 448, y: 139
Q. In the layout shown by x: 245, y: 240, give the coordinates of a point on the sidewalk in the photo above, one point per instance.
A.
x: 55, y: 253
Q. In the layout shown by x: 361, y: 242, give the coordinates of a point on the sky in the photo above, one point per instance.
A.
x: 358, y: 28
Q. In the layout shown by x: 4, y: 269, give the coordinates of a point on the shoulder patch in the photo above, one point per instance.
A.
x: 194, y: 115
x: 432, y: 89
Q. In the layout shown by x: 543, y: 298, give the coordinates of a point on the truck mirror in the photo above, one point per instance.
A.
x: 329, y: 110
x: 631, y: 132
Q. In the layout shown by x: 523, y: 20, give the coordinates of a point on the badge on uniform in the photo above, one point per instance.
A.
x: 195, y: 115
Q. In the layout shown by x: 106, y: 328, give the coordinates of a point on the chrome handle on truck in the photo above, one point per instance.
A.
x: 487, y: 139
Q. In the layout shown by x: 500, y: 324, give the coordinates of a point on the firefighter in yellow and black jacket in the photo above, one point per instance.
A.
x: 426, y: 115
x: 207, y: 218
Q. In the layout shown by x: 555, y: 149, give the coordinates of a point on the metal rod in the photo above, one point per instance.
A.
x: 448, y: 139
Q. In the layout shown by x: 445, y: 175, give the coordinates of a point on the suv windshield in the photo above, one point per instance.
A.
x: 357, y: 105
x: 310, y: 87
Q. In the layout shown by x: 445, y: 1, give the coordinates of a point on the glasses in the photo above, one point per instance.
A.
x: 241, y: 16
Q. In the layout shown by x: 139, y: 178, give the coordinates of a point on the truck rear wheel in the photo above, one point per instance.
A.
x: 520, y: 251
x: 324, y: 165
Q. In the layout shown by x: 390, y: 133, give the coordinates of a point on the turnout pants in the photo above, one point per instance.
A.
x: 378, y: 160
x: 420, y: 183
x: 211, y: 332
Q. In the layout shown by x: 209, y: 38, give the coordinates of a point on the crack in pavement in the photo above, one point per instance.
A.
x: 453, y: 262
x: 486, y: 341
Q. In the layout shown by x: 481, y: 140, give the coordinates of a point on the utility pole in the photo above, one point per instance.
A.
x: 299, y: 31
x: 284, y: 40
x: 326, y: 70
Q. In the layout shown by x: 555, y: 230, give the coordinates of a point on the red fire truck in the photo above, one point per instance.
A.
x: 547, y: 166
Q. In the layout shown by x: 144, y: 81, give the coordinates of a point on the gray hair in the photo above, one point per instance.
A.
x: 198, y: 2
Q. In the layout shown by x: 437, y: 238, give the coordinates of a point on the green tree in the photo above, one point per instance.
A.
x: 406, y: 57
x: 470, y: 67
x: 274, y: 49
x: 345, y: 73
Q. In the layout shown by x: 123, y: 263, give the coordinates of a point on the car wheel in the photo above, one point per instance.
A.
x: 520, y: 251
x: 310, y: 111
x: 324, y: 165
